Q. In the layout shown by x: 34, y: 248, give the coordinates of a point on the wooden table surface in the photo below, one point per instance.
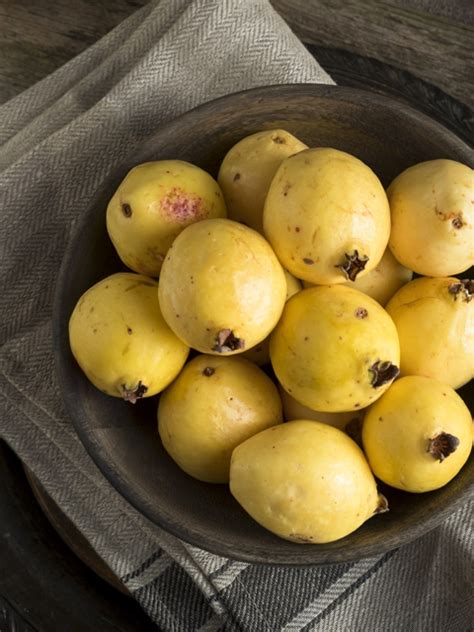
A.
x: 433, y: 39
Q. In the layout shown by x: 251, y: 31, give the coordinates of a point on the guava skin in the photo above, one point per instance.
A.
x: 153, y: 204
x: 222, y: 289
x: 327, y: 216
x: 305, y: 481
x: 120, y: 339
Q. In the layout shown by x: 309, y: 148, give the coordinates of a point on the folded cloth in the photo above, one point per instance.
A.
x: 60, y: 139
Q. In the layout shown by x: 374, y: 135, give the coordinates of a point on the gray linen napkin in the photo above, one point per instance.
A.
x: 60, y: 139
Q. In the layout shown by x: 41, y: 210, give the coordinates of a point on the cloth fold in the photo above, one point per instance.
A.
x: 60, y: 139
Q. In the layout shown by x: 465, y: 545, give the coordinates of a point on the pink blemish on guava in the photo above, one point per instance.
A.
x: 181, y: 206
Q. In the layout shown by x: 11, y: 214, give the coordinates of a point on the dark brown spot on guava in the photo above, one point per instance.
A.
x: 297, y: 229
x: 208, y: 371
x: 454, y: 216
x: 236, y: 177
x: 361, y: 312
x: 383, y: 373
x: 94, y: 331
x: 226, y: 341
x: 353, y: 265
x: 129, y: 330
x: 91, y: 310
x: 286, y: 188
x: 305, y: 539
x: 442, y: 445
x: 133, y: 394
x: 177, y: 315
x: 127, y: 210
x: 306, y: 338
x: 308, y: 261
x: 465, y: 289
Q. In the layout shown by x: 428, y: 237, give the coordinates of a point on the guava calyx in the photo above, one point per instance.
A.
x: 442, y: 445
x: 382, y: 505
x: 383, y: 373
x: 133, y: 394
x: 361, y: 312
x: 354, y: 264
x: 127, y: 210
x: 457, y: 222
x: 354, y: 430
x: 208, y: 371
x: 226, y: 341
x: 464, y: 288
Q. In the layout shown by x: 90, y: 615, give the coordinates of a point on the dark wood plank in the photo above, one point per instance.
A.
x: 38, y: 36
x: 435, y: 45
x: 430, y: 38
x: 457, y: 10
x: 43, y: 583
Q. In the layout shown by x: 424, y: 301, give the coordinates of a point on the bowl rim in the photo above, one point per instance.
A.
x: 304, y: 555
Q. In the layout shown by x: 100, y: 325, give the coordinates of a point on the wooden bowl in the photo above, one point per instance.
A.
x: 122, y: 439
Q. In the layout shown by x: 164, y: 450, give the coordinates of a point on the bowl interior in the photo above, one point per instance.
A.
x: 122, y: 439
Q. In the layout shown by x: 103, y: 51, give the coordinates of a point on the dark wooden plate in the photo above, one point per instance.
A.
x: 122, y: 439
x: 357, y: 71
